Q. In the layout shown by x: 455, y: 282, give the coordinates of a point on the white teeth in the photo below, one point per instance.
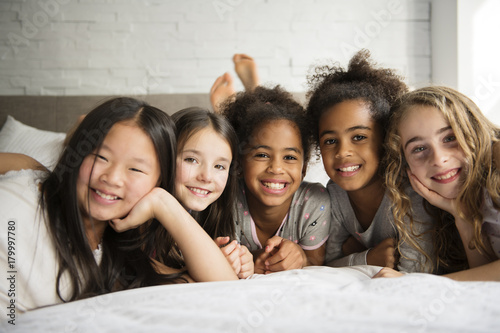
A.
x: 199, y: 191
x: 274, y: 186
x: 106, y: 196
x: 351, y: 168
x: 448, y: 175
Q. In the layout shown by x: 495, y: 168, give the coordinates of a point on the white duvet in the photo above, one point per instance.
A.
x: 315, y: 299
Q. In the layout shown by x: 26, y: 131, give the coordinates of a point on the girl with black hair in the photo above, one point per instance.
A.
x: 118, y: 168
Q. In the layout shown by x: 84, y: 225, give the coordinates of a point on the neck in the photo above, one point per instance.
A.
x: 267, y: 218
x: 366, y: 201
x: 94, y: 231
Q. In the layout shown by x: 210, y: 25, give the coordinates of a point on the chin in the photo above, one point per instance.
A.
x: 197, y: 207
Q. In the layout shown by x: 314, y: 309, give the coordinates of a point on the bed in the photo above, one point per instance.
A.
x: 315, y: 299
x: 312, y: 299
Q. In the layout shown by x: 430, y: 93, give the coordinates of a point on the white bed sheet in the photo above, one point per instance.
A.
x: 315, y: 299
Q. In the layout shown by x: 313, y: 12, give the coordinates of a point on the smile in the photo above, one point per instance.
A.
x: 274, y: 186
x: 350, y: 168
x: 447, y: 176
x: 106, y: 196
x: 198, y: 190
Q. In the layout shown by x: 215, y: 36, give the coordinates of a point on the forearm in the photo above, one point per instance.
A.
x: 488, y: 272
x: 350, y: 260
x: 204, y: 260
x: 13, y: 161
x: 315, y: 257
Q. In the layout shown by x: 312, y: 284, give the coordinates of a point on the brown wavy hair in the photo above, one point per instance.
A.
x: 476, y: 136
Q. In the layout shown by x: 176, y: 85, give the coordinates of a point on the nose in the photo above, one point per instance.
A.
x: 343, y: 150
x: 205, y: 173
x: 112, y: 176
x: 275, y: 166
x: 440, y: 156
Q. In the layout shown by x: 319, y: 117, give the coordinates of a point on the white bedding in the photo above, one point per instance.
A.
x: 315, y: 299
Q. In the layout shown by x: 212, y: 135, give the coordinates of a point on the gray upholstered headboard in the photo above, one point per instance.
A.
x: 59, y: 113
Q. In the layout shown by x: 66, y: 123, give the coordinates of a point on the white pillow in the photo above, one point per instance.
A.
x: 43, y: 146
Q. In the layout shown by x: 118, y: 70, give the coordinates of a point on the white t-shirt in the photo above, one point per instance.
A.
x: 27, y: 253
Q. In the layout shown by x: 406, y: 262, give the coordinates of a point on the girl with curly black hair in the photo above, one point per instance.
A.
x: 349, y: 111
x: 282, y: 220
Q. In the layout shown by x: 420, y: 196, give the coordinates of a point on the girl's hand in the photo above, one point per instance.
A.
x: 238, y: 256
x: 260, y: 258
x: 284, y: 255
x: 231, y: 251
x: 387, y: 273
x: 434, y: 198
x: 383, y: 254
x: 352, y: 245
x: 247, y: 265
x: 142, y: 212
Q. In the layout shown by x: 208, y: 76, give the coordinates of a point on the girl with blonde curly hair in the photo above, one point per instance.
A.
x: 441, y: 143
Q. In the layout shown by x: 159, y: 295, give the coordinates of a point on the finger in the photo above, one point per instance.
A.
x: 273, y: 242
x: 220, y: 241
x: 379, y: 274
x: 277, y: 257
x: 246, y: 271
x: 119, y: 225
x: 285, y: 264
x: 230, y: 248
x: 245, y: 256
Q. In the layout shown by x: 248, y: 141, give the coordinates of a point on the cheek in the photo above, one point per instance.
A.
x: 184, y: 173
x: 139, y: 189
x: 85, y: 170
x: 222, y: 180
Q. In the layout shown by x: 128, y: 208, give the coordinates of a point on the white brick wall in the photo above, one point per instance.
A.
x: 82, y: 47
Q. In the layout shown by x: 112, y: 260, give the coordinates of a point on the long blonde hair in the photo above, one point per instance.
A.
x: 476, y: 136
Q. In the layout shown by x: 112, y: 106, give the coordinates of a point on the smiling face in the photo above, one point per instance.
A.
x: 202, y: 169
x: 273, y: 164
x: 350, y: 144
x: 432, y: 151
x: 126, y: 168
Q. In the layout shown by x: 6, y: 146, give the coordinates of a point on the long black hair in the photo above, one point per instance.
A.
x: 126, y: 261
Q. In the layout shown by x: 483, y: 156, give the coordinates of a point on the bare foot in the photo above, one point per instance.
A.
x: 246, y: 69
x: 221, y: 90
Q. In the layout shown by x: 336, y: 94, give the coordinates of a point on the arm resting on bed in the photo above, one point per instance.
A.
x: 13, y: 161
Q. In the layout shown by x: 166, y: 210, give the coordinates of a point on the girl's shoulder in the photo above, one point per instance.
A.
x: 312, y: 189
x: 490, y: 213
x: 336, y: 192
x: 311, y: 195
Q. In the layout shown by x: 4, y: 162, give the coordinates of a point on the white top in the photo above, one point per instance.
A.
x: 30, y: 267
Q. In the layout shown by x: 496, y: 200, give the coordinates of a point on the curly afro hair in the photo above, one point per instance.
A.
x: 251, y: 109
x: 330, y: 85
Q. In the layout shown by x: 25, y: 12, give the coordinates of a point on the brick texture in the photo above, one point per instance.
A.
x: 92, y: 47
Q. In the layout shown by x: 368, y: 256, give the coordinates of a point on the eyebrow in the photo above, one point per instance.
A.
x: 294, y: 149
x: 417, y: 138
x: 197, y: 152
x: 350, y: 129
